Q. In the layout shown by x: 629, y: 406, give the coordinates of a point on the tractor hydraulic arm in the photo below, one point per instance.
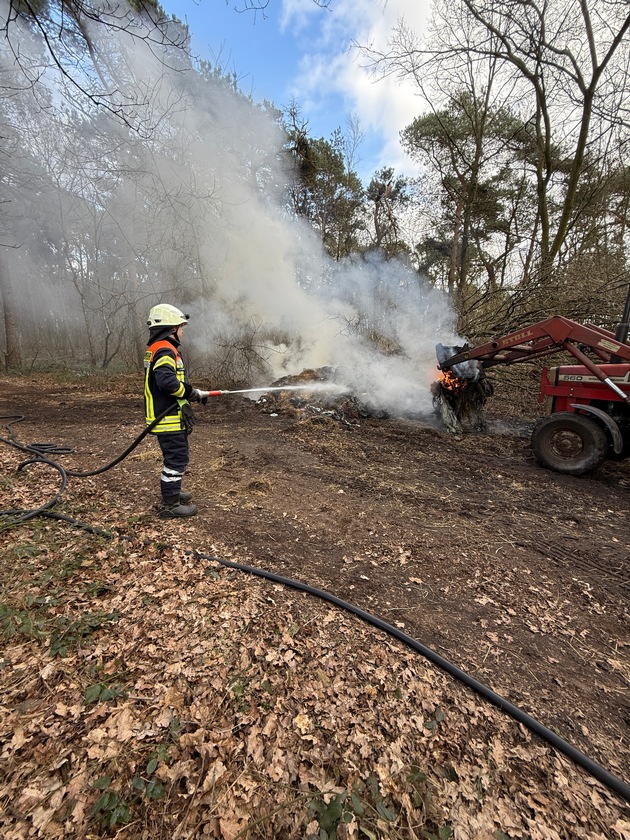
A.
x: 541, y: 339
x: 544, y: 338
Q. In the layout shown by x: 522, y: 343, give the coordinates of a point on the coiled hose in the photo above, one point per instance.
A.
x: 37, y: 451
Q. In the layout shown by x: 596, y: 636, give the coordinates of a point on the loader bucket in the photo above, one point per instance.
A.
x: 463, y: 369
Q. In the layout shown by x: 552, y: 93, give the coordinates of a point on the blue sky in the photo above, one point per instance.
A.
x: 294, y: 50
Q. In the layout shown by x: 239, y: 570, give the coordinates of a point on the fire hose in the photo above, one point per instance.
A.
x: 612, y: 782
x: 39, y: 451
x: 596, y: 770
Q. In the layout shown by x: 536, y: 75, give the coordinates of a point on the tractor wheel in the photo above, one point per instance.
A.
x: 569, y: 443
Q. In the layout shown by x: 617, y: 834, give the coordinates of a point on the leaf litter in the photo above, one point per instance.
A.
x: 149, y: 693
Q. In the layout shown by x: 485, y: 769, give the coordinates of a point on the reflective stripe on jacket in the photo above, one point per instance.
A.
x: 164, y: 382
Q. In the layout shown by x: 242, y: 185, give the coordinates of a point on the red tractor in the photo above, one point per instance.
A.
x: 588, y: 403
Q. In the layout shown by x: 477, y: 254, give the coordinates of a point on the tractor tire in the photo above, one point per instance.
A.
x: 569, y: 443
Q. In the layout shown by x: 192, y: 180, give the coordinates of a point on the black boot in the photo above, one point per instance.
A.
x: 185, y: 497
x: 174, y: 509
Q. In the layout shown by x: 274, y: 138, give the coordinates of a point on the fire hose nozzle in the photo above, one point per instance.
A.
x: 216, y: 393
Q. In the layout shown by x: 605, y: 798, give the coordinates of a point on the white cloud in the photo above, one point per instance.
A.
x: 330, y: 63
x: 296, y: 14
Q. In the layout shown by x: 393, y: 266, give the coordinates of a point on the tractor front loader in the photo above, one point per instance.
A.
x: 587, y: 403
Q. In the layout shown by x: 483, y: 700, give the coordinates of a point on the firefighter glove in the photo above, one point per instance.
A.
x: 188, y: 416
x: 199, y: 396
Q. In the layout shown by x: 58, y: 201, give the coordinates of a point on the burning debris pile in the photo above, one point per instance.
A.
x: 316, y: 395
x: 460, y: 393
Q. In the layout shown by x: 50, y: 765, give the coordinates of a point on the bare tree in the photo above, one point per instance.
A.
x: 69, y: 40
x: 262, y: 5
x: 13, y: 352
x: 566, y: 65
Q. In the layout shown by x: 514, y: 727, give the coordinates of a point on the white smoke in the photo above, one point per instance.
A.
x: 196, y: 205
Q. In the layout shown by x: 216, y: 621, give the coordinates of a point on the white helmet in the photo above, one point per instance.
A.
x: 165, y: 315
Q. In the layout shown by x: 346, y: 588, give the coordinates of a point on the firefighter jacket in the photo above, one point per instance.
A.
x: 165, y: 383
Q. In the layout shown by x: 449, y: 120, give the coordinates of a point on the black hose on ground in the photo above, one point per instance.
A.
x: 25, y: 515
x: 49, y: 514
x: 127, y: 451
x: 596, y: 770
x: 615, y: 784
x: 40, y: 449
x: 39, y: 453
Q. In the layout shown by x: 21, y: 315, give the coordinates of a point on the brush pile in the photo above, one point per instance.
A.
x: 327, y: 401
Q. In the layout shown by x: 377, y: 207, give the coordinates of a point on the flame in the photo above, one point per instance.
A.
x: 452, y: 383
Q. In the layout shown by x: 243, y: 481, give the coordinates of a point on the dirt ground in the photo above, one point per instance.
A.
x: 519, y: 576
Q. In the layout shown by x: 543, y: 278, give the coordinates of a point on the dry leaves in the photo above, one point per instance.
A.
x: 224, y: 714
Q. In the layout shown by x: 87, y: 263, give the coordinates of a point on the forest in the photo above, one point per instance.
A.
x: 133, y: 172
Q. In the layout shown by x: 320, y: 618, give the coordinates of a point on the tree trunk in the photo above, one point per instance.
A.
x: 13, y: 350
x: 455, y: 255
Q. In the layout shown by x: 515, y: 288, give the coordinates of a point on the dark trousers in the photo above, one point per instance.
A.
x: 175, y: 453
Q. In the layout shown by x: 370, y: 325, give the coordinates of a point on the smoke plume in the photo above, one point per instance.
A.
x: 177, y: 194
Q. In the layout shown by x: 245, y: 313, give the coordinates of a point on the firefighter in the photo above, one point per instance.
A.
x: 166, y: 385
